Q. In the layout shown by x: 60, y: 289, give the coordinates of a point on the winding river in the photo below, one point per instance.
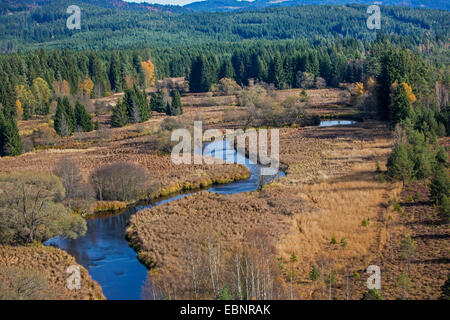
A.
x: 105, y: 252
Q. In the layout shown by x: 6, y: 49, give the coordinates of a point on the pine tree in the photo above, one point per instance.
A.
x: 69, y: 113
x: 143, y: 106
x: 2, y: 128
x: 400, y: 107
x: 176, y: 107
x: 61, y: 124
x: 200, y: 78
x: 119, y: 116
x: 10, y: 140
x: 400, y: 167
x: 226, y: 70
x: 276, y: 72
x: 157, y: 103
x: 83, y: 118
x: 115, y: 76
x: 440, y: 185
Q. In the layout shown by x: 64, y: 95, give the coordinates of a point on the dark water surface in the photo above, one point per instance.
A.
x: 105, y: 252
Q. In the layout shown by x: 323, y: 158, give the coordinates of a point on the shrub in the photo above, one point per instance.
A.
x: 79, y: 195
x: 333, y: 240
x: 440, y: 185
x: 343, y: 243
x: 372, y: 294
x: 103, y: 206
x: 31, y: 209
x: 45, y: 136
x: 121, y: 181
x: 444, y: 209
x: 314, y: 275
x: 378, y: 167
x: 445, y: 289
x: 364, y: 223
x: 21, y: 284
x: 226, y: 86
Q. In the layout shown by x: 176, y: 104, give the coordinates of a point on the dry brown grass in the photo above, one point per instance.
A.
x: 330, y: 187
x: 52, y: 263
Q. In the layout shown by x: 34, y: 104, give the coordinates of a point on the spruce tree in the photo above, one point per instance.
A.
x: 115, y: 75
x: 440, y: 185
x: 70, y: 114
x: 10, y: 140
x: 61, y: 122
x: 276, y: 72
x: 226, y: 70
x: 119, y: 116
x: 143, y: 106
x: 400, y: 167
x: 200, y: 78
x: 83, y: 118
x: 2, y: 128
x: 400, y: 106
x: 157, y: 102
x: 176, y: 107
x: 168, y: 109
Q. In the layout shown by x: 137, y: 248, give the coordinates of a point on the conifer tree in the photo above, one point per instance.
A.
x: 61, y: 123
x: 83, y: 118
x: 157, y: 103
x: 69, y: 114
x: 276, y: 72
x: 176, y: 108
x: 400, y: 105
x: 115, y: 76
x: 400, y: 167
x: 119, y: 116
x: 10, y: 140
x: 226, y: 70
x: 200, y: 78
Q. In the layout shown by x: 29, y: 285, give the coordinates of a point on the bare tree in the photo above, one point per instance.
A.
x: 121, y: 181
x: 30, y: 209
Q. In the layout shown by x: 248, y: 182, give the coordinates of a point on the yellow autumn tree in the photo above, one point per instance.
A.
x: 411, y: 96
x: 86, y: 86
x: 19, y: 109
x: 149, y: 70
x: 42, y: 94
x: 27, y: 100
x: 359, y: 89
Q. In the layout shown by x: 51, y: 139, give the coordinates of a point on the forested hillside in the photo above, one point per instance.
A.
x: 45, y: 26
x: 284, y: 47
x: 230, y: 5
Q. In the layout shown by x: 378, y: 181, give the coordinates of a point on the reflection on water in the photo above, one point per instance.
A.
x: 331, y: 123
x: 104, y: 251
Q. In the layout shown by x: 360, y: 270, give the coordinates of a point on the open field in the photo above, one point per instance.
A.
x: 333, y: 209
x: 331, y: 187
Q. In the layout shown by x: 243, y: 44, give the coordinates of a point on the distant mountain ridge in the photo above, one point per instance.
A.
x: 11, y: 6
x: 231, y: 5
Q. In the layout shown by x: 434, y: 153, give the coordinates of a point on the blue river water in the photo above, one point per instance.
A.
x: 105, y: 252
